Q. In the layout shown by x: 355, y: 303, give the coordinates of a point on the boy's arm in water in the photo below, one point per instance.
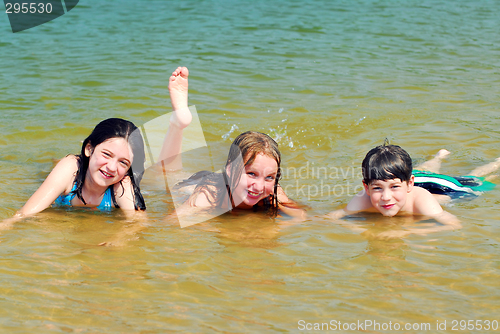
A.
x: 360, y: 202
x: 425, y: 204
x: 448, y: 223
x: 181, y: 117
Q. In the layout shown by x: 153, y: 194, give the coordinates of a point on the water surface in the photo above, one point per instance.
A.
x: 328, y: 80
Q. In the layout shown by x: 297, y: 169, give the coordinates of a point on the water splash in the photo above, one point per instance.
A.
x: 360, y: 120
x: 281, y: 137
x: 233, y: 127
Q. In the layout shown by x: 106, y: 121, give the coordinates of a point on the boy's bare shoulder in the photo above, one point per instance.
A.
x: 360, y: 202
x: 424, y: 202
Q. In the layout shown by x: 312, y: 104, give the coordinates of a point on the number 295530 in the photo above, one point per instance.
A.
x: 28, y: 7
x: 474, y: 325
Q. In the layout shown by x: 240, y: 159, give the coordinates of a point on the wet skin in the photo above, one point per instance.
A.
x: 257, y: 182
x: 389, y: 196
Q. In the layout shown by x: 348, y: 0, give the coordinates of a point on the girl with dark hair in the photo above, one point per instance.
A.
x: 107, y: 133
x: 108, y: 170
x: 105, y: 174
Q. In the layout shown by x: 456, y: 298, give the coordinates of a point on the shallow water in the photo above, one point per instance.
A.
x: 328, y: 80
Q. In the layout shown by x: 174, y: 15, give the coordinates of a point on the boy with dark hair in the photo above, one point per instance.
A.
x: 389, y: 189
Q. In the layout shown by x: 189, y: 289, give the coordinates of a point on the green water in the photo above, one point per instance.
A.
x: 328, y: 80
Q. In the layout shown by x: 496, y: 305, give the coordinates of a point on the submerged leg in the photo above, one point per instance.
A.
x: 486, y: 169
x: 170, y: 154
x: 434, y: 164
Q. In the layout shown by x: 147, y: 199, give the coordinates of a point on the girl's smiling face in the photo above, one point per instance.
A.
x: 257, y: 182
x: 109, y: 161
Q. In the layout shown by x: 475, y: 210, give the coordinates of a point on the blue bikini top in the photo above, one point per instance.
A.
x: 106, y: 203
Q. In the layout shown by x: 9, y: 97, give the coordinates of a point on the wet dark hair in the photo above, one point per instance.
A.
x: 243, y: 152
x: 108, y: 129
x: 386, y: 162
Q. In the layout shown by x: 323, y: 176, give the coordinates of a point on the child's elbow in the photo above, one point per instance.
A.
x: 456, y: 223
x: 450, y: 220
x: 336, y: 215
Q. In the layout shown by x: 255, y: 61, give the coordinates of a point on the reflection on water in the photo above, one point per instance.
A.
x: 329, y: 80
x: 248, y: 230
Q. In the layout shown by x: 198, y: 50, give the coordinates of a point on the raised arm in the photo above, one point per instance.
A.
x: 171, y: 149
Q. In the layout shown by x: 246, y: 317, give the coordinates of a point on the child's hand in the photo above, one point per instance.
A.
x: 8, y: 223
x: 336, y: 215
